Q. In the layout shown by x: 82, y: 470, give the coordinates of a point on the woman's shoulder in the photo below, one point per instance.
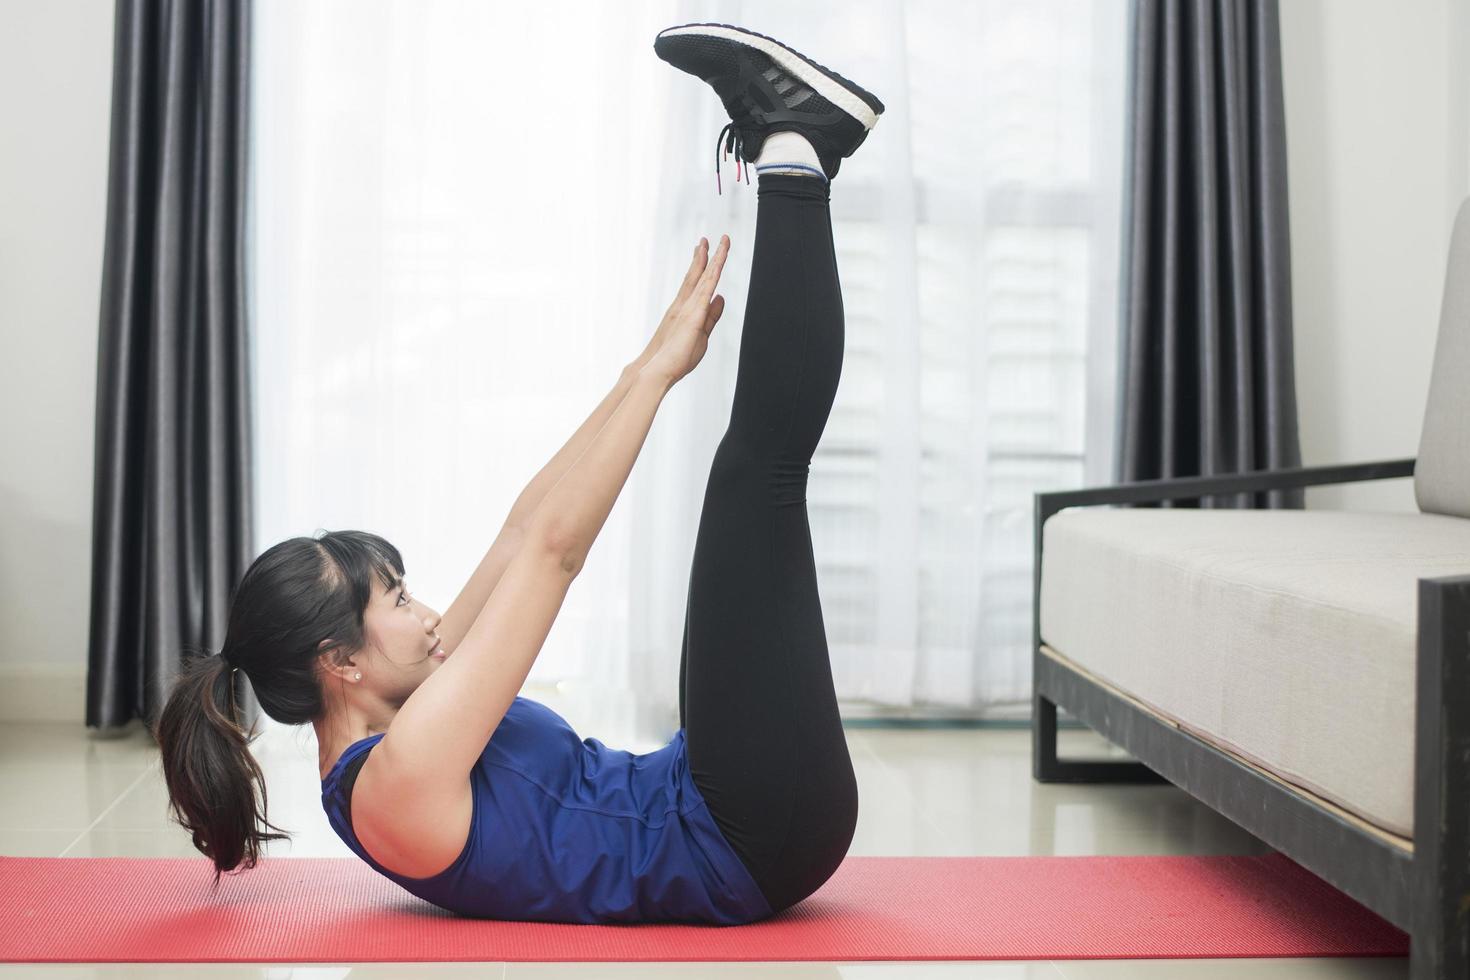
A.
x: 413, y: 835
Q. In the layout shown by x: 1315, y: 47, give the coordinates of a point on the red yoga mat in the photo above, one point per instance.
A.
x: 306, y: 910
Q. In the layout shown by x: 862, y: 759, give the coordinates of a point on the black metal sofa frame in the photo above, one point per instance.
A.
x: 1423, y: 886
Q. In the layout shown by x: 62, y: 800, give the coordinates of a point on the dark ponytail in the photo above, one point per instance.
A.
x: 295, y: 595
x: 209, y: 769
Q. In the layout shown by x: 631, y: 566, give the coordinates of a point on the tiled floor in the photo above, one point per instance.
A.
x: 923, y: 792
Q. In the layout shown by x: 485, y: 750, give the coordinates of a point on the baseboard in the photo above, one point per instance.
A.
x: 1010, y: 714
x: 43, y: 692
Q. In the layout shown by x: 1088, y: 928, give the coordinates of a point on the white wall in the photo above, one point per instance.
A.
x: 1377, y: 139
x: 55, y: 100
x: 1378, y: 130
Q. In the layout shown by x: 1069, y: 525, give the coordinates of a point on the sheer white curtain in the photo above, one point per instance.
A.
x: 470, y: 216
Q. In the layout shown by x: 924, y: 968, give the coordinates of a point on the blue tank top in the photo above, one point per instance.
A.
x: 568, y: 830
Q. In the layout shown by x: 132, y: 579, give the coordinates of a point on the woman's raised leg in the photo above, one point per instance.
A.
x: 766, y: 745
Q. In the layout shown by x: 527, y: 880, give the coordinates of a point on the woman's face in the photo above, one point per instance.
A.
x: 403, y: 645
x: 403, y: 626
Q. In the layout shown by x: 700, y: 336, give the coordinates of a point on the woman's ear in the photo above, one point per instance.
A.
x: 327, y: 662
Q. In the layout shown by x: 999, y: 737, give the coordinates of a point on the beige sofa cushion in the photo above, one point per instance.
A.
x: 1286, y: 636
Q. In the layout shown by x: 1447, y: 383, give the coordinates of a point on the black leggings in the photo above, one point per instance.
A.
x: 765, y: 742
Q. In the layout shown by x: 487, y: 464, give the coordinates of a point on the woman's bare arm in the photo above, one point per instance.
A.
x: 471, y: 599
x: 440, y: 731
x: 574, y: 511
x: 466, y: 606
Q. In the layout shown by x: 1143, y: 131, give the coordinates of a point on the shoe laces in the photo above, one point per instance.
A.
x: 735, y: 140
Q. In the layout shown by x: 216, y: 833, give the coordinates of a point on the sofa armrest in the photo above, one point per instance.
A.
x: 1190, y: 487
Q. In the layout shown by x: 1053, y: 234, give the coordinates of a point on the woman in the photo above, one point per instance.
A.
x: 434, y: 770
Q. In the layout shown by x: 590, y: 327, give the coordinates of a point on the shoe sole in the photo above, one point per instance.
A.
x: 834, y: 89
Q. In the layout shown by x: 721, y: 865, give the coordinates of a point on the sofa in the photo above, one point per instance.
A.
x: 1305, y: 673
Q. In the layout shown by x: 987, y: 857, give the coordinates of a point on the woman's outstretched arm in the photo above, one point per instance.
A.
x: 466, y: 606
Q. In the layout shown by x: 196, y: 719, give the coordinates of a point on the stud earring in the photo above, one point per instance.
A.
x: 357, y: 676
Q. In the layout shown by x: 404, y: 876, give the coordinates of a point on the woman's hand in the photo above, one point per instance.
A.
x: 696, y: 268
x: 683, y: 335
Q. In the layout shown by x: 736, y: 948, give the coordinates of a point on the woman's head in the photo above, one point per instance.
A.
x: 328, y: 633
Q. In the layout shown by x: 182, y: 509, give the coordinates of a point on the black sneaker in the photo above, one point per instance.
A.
x: 766, y: 88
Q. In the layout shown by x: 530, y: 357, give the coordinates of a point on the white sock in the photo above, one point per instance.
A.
x: 788, y: 152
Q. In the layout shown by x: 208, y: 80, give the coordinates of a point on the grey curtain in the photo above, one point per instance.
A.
x: 1206, y: 383
x: 171, y: 532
